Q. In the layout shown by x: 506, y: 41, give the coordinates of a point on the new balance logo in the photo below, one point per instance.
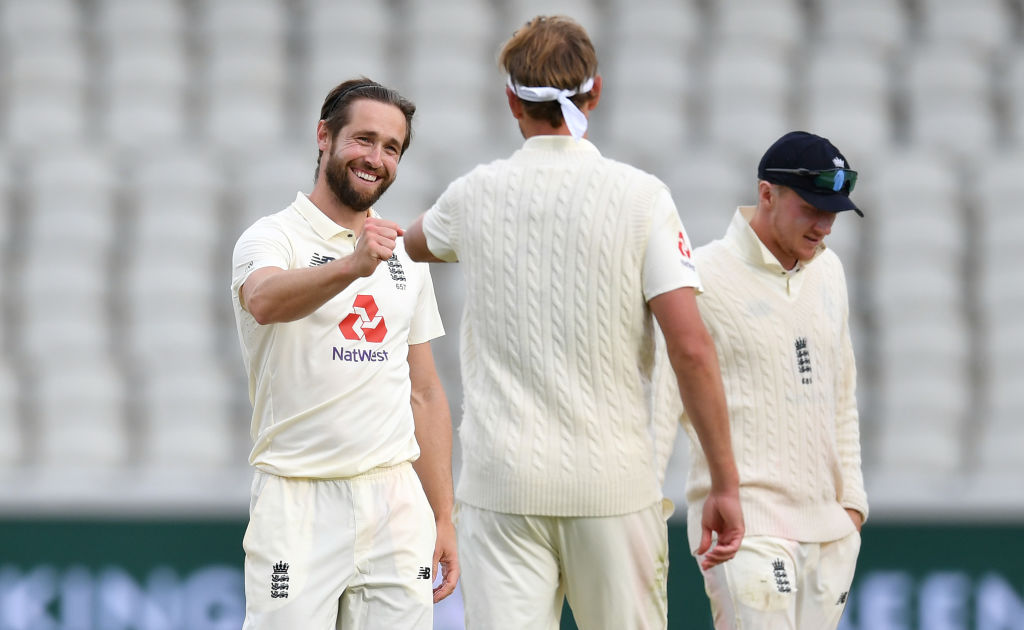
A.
x: 279, y: 580
x: 842, y: 598
x: 364, y: 324
x: 803, y: 360
x: 781, y: 579
x: 424, y: 573
x: 319, y: 259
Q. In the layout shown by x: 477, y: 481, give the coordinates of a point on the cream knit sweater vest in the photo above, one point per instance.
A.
x: 788, y: 370
x: 557, y: 345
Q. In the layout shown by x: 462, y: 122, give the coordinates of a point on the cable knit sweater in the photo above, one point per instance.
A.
x: 787, y: 363
x: 557, y: 340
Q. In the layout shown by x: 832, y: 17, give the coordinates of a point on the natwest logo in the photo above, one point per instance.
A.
x: 364, y: 323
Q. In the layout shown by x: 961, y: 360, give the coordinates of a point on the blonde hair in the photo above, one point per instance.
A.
x: 550, y: 51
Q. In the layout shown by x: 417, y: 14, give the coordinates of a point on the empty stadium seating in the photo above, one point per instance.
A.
x: 138, y: 138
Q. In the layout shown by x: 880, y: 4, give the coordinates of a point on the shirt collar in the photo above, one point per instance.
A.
x: 744, y: 240
x: 320, y: 222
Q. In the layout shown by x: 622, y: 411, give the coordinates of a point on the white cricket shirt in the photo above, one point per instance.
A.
x: 331, y: 391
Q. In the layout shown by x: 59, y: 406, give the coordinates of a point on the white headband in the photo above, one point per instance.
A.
x: 574, y: 118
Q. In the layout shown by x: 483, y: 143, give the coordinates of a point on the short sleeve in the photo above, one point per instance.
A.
x: 668, y: 261
x: 262, y: 245
x: 441, y: 221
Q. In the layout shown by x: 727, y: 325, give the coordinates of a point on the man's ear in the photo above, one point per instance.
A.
x: 514, y: 103
x: 765, y: 193
x: 323, y: 136
x: 595, y: 94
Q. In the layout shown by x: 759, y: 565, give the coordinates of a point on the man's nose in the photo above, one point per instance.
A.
x: 374, y: 156
x: 825, y: 222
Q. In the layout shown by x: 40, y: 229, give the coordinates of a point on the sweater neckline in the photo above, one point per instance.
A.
x: 560, y: 144
x: 745, y: 241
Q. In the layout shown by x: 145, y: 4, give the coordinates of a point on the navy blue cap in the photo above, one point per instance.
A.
x: 800, y: 149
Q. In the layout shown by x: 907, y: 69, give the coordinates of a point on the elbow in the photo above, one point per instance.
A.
x: 418, y: 252
x: 260, y: 309
x: 262, y: 318
x: 694, y: 352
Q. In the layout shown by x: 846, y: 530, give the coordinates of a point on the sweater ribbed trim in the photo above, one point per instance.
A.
x: 540, y: 495
x: 812, y: 523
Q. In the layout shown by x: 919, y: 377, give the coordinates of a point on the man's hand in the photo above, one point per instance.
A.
x: 376, y: 243
x: 722, y: 514
x: 856, y: 517
x: 447, y: 555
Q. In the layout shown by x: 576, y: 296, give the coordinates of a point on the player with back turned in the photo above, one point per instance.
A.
x: 569, y: 258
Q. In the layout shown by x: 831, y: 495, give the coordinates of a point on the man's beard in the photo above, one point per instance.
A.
x: 337, y: 180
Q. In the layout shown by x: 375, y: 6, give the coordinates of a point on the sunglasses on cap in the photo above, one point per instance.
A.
x: 833, y: 179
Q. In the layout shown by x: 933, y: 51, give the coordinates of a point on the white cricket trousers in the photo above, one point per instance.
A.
x: 348, y: 554
x: 516, y: 569
x: 779, y: 584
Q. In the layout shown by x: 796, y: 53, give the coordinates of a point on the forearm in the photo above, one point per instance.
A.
x: 433, y: 432
x: 416, y: 243
x: 434, y: 466
x: 700, y: 386
x: 694, y: 360
x: 848, y: 433
x: 286, y: 296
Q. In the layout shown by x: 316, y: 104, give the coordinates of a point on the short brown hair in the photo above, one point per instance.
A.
x: 336, y: 110
x: 550, y: 51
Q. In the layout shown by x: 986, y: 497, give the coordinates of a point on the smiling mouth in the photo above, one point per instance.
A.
x: 366, y: 177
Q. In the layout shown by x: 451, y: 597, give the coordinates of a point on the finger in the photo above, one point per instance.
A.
x: 447, y: 585
x: 383, y: 250
x: 713, y: 558
x: 721, y: 553
x: 705, y: 540
x: 384, y: 227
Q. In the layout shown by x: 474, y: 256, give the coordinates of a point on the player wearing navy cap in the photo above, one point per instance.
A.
x: 776, y: 304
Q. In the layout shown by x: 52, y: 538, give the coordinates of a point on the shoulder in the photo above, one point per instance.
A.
x: 274, y: 226
x: 634, y: 172
x: 830, y: 262
x: 710, y: 252
x: 644, y: 192
x: 464, y: 184
x: 485, y: 170
x: 719, y: 269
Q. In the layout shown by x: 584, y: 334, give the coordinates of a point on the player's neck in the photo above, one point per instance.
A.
x: 328, y: 203
x: 531, y: 127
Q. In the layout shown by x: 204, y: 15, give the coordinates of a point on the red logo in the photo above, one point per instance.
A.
x: 365, y: 323
x: 684, y: 247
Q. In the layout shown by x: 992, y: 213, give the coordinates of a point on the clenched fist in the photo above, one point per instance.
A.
x: 376, y: 243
